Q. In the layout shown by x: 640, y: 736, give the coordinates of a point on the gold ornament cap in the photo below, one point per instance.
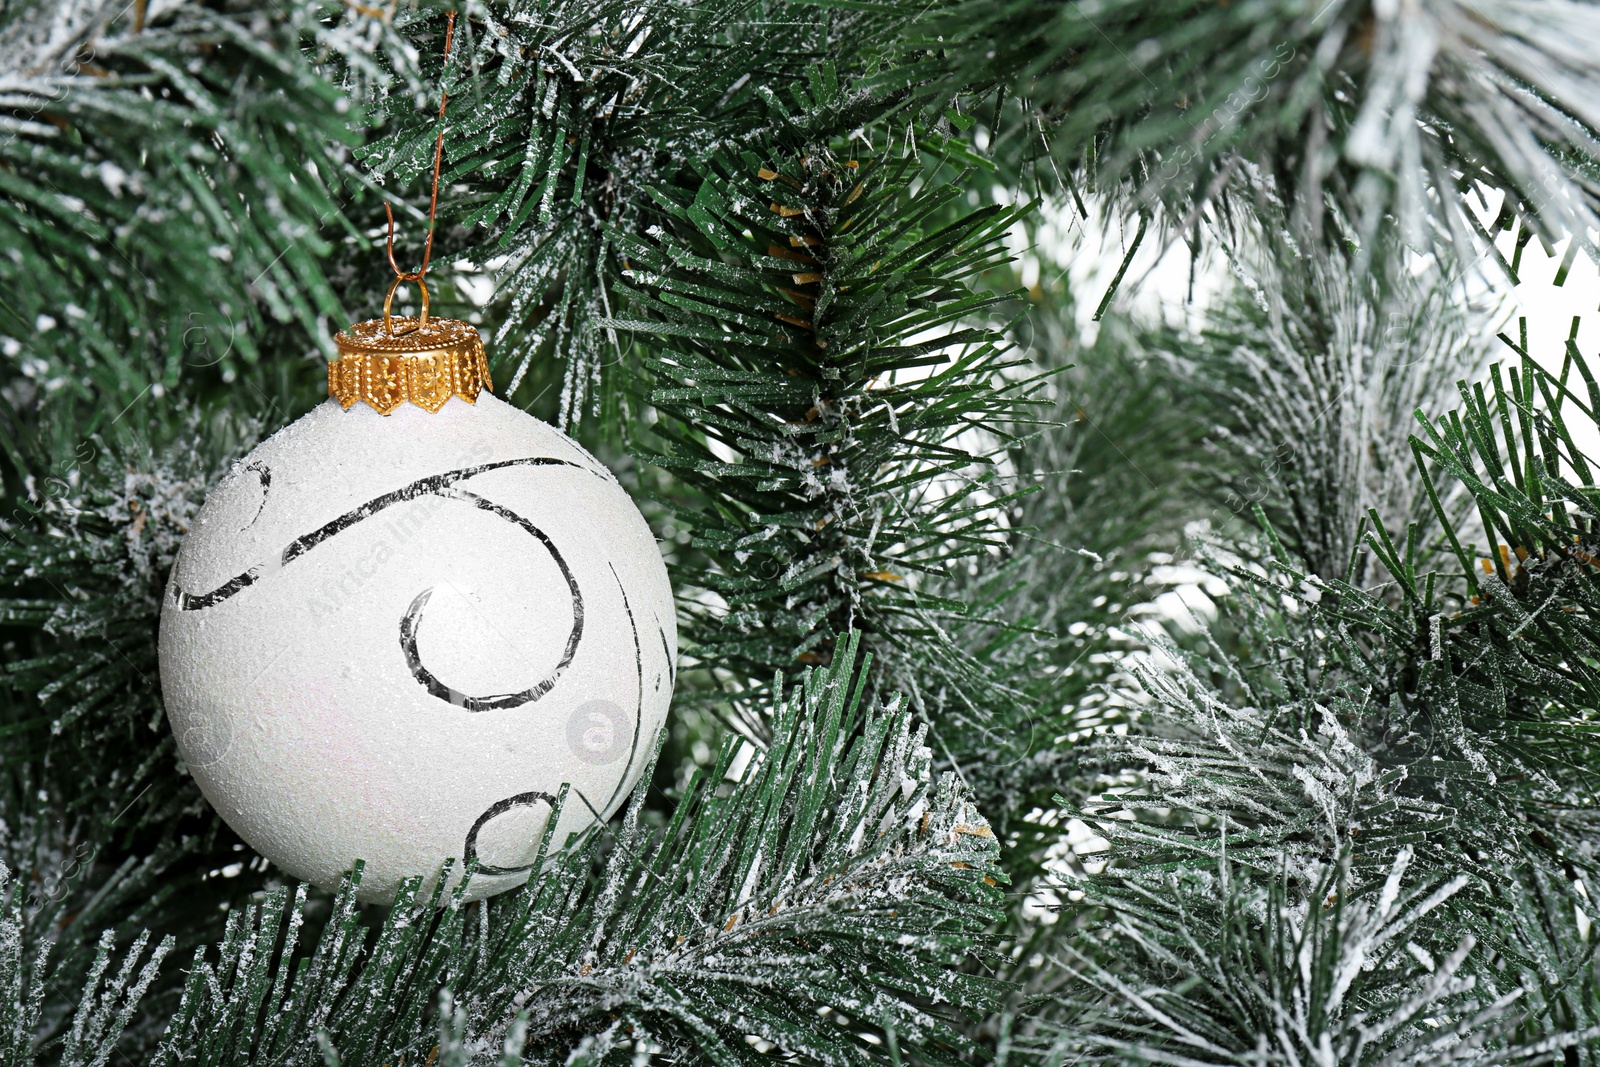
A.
x: 389, y: 361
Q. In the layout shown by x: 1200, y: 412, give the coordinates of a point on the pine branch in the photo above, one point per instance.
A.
x: 1446, y: 714
x: 1347, y: 113
x: 95, y: 811
x: 827, y: 899
x: 1306, y: 378
x: 801, y: 295
x: 83, y: 563
x: 1489, y: 654
x: 1047, y: 617
x: 1227, y: 966
x: 166, y: 186
x: 29, y: 990
x: 1222, y: 921
x: 565, y: 115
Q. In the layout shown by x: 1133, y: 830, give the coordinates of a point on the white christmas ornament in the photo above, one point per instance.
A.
x: 394, y: 637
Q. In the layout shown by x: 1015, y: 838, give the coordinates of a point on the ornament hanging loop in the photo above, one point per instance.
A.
x: 389, y: 361
x: 433, y: 208
x: 388, y: 302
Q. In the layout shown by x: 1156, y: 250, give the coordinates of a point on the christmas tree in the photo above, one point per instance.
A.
x: 1137, y: 586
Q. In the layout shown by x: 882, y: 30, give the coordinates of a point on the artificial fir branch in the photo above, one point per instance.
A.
x: 1349, y: 114
x: 566, y: 116
x: 83, y: 563
x: 666, y: 197
x: 117, y: 143
x: 825, y: 899
x: 1307, y: 397
x: 1284, y: 975
x: 818, y: 384
x: 1444, y: 714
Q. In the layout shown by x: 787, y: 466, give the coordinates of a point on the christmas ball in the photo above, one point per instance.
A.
x: 402, y: 624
